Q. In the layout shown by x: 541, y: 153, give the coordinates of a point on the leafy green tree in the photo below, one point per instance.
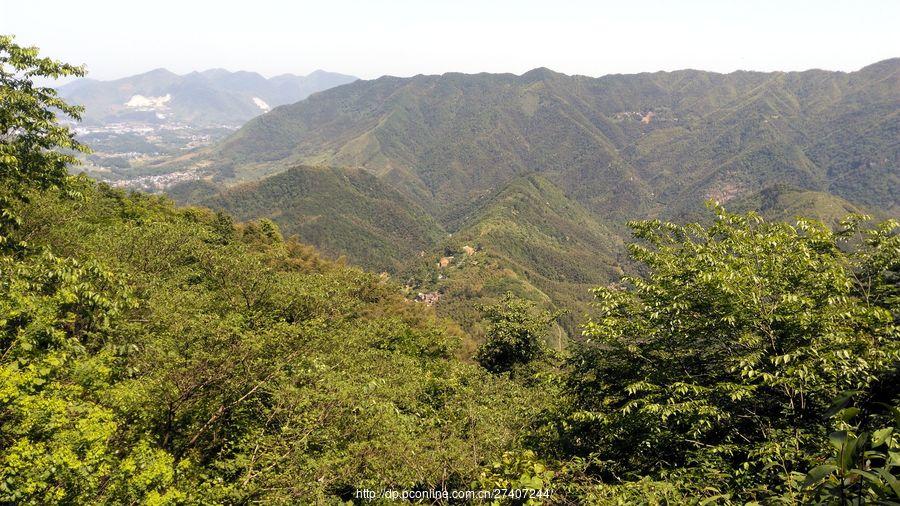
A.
x: 726, y: 350
x: 516, y: 334
x: 35, y: 150
x: 60, y: 441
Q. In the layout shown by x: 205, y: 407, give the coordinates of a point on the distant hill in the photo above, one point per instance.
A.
x: 783, y: 203
x: 528, y: 237
x: 210, y: 98
x: 549, y: 245
x: 619, y: 144
x: 342, y: 211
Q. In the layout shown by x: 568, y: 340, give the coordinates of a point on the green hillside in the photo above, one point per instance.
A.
x: 529, y: 238
x: 783, y: 203
x: 341, y: 211
x: 547, y: 240
x: 538, y: 230
x: 621, y: 145
x: 540, y: 172
x: 180, y: 341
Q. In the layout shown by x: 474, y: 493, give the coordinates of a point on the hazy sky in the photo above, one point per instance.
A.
x: 376, y: 37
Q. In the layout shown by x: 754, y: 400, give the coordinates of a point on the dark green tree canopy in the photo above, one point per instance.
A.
x: 516, y: 334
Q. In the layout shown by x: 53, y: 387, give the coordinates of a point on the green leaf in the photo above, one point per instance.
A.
x: 867, y: 475
x: 838, y: 439
x: 818, y: 473
x: 891, y: 481
x: 848, y: 453
x: 714, y: 499
x: 880, y: 436
x: 842, y: 401
x: 847, y: 414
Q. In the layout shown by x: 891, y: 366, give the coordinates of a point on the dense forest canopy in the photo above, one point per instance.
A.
x: 165, y: 355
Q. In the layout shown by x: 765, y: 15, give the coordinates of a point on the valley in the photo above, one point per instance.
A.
x: 539, y: 173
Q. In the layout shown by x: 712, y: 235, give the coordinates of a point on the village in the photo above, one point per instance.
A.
x: 123, y: 153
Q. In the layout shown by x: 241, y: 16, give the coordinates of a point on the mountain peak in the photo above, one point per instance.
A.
x: 159, y: 72
x: 541, y: 73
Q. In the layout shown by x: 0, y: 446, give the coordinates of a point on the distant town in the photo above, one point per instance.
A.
x: 128, y: 154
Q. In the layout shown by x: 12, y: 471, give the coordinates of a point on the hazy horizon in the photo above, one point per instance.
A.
x: 404, y: 38
x: 269, y: 76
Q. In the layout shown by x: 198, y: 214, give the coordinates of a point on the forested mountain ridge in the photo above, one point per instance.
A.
x: 621, y: 144
x: 540, y: 172
x: 531, y: 228
x: 784, y: 203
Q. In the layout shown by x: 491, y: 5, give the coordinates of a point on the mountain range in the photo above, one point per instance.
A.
x: 623, y: 142
x: 210, y: 98
x: 525, y: 183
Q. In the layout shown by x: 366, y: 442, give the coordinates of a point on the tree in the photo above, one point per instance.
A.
x: 724, y: 353
x: 35, y: 150
x: 515, y: 335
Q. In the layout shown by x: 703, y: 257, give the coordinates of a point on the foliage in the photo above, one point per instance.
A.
x: 515, y: 335
x: 62, y: 441
x: 30, y: 137
x: 523, y: 475
x: 227, y: 363
x: 726, y: 351
x: 31, y: 140
x: 863, y: 467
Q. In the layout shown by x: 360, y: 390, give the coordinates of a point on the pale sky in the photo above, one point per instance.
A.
x: 407, y: 37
